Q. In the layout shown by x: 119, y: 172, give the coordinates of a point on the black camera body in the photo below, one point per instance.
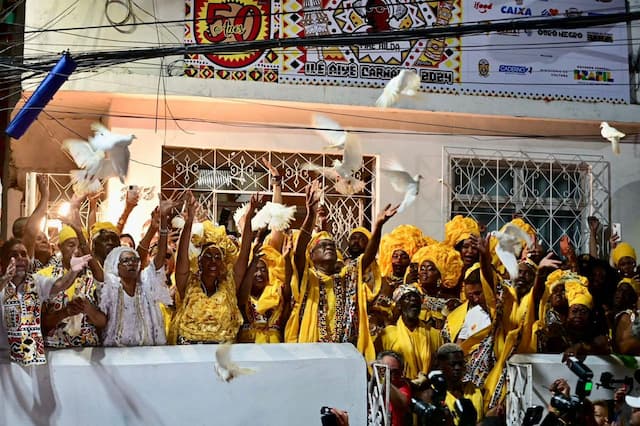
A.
x: 607, y: 381
x: 433, y: 413
x: 570, y: 407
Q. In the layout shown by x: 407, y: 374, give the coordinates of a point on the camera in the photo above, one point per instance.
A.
x: 607, y: 381
x: 570, y: 407
x: 433, y: 413
x: 327, y: 417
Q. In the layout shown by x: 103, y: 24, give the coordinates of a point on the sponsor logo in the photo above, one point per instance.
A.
x: 482, y: 7
x: 514, y: 69
x: 550, y: 12
x: 572, y: 12
x: 516, y: 10
x: 604, y: 37
x: 483, y: 67
x: 599, y: 76
x: 560, y: 33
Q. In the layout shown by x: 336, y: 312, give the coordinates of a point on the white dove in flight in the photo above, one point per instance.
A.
x: 509, y: 246
x: 613, y: 135
x: 105, y: 155
x: 404, y: 183
x: 331, y: 131
x: 343, y: 171
x: 225, y: 368
x: 406, y: 83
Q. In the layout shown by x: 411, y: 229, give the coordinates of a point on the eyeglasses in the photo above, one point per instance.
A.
x: 379, y: 9
x: 130, y: 261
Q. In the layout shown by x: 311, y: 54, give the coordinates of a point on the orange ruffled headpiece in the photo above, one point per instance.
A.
x: 446, y: 259
x: 407, y: 238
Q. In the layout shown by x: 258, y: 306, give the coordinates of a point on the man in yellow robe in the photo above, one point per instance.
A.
x: 413, y: 338
x: 330, y: 303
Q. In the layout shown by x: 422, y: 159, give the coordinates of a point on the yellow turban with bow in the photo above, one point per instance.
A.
x: 446, y: 259
x: 407, y: 238
x: 577, y: 294
x: 66, y: 233
x: 622, y: 250
x: 216, y: 236
x: 103, y: 226
x: 459, y: 229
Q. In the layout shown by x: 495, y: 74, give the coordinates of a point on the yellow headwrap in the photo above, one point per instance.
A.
x: 362, y: 230
x: 315, y: 239
x: 459, y: 229
x: 66, y: 233
x: 215, y: 236
x: 102, y: 226
x: 622, y: 250
x: 472, y: 268
x: 405, y: 237
x: 633, y: 283
x: 577, y: 294
x: 560, y: 276
x: 446, y: 259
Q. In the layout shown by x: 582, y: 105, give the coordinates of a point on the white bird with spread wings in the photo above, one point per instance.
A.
x: 613, y: 135
x: 105, y: 155
x: 343, y: 171
x: 509, y: 246
x: 226, y: 369
x: 403, y: 183
x: 407, y: 83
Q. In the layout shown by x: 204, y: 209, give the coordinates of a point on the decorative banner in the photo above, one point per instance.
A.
x: 582, y: 65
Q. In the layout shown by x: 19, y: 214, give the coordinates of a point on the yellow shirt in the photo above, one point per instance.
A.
x: 469, y: 392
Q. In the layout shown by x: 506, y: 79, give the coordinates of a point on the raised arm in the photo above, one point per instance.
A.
x: 83, y: 246
x: 286, y: 285
x: 245, y: 288
x: 538, y: 285
x: 144, y: 245
x: 485, y: 258
x: 131, y: 201
x: 182, y: 256
x: 32, y: 226
x: 372, y: 246
x: 164, y: 210
x: 240, y: 267
x: 277, y: 237
x: 65, y: 281
x: 311, y: 201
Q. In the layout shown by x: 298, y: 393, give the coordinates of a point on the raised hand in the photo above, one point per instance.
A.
x: 272, y: 170
x: 78, y: 263
x: 565, y: 246
x: 9, y: 273
x: 167, y: 205
x: 312, y: 195
x: 191, y: 206
x: 386, y: 214
x: 42, y: 181
x: 132, y: 198
x: 549, y: 262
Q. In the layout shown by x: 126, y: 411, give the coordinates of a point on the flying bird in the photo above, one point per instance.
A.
x: 407, y: 83
x: 225, y: 368
x: 509, y: 247
x: 332, y: 132
x: 104, y: 155
x: 342, y: 171
x: 403, y: 183
x: 613, y: 135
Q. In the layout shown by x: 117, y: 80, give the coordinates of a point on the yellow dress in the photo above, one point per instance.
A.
x: 322, y: 310
x: 202, y: 318
x: 417, y: 346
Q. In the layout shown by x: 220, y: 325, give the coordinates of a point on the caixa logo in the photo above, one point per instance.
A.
x: 514, y: 69
x: 516, y: 10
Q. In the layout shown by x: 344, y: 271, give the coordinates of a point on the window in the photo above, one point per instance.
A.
x: 222, y: 180
x: 555, y: 193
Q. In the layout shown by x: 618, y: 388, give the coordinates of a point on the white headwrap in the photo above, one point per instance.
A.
x: 111, y: 275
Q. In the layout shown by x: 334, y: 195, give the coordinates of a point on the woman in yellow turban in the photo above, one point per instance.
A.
x: 439, y: 267
x: 623, y: 258
x: 206, y: 292
x: 460, y: 233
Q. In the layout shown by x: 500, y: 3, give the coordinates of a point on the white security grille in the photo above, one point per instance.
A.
x: 519, y: 392
x: 555, y: 193
x: 222, y: 180
x: 378, y: 396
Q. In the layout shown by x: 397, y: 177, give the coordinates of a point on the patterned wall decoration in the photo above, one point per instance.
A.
x: 581, y: 64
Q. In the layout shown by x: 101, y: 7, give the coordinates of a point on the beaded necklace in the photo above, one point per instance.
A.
x: 140, y: 315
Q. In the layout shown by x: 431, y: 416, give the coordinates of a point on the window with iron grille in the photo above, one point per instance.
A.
x: 555, y: 193
x: 222, y: 180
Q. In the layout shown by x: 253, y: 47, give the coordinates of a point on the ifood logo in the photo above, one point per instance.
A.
x: 514, y: 69
x: 482, y: 7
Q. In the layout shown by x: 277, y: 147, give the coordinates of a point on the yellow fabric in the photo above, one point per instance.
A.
x: 362, y: 230
x: 211, y: 319
x: 577, y: 294
x: 100, y: 226
x: 272, y: 294
x: 417, y: 347
x: 622, y: 250
x: 303, y: 327
x: 459, y: 229
x: 446, y: 259
x: 266, y: 332
x: 66, y: 233
x: 470, y: 392
x: 407, y: 238
x: 633, y: 283
x: 558, y: 276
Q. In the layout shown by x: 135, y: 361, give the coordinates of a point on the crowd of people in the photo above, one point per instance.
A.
x: 402, y: 298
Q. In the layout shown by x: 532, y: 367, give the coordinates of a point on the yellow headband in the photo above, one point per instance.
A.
x: 362, y: 230
x: 66, y: 233
x: 622, y: 250
x: 635, y: 285
x: 103, y: 226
